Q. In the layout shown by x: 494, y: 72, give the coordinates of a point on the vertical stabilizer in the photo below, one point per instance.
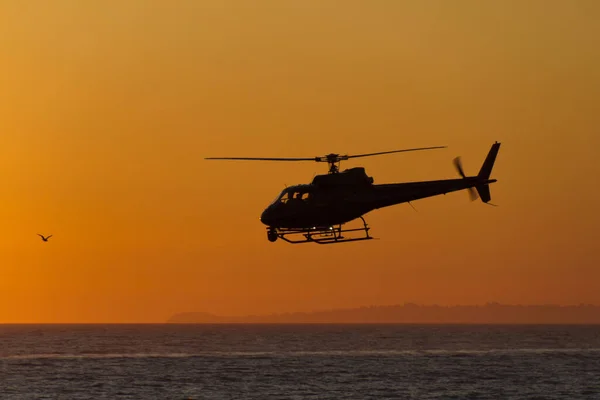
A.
x: 485, y: 172
x: 484, y: 193
x: 488, y: 164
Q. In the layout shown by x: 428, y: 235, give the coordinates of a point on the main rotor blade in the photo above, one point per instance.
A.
x: 395, y: 151
x: 260, y: 159
x: 327, y: 158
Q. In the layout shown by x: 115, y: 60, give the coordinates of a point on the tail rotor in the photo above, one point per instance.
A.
x: 458, y: 165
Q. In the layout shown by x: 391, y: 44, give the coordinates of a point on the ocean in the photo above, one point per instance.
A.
x: 171, y: 361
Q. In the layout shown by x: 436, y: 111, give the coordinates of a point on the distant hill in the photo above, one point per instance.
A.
x: 491, y: 313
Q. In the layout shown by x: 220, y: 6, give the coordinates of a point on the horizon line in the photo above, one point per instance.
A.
x: 490, y: 303
x: 276, y: 314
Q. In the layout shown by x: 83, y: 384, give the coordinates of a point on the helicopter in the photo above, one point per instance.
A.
x: 318, y: 212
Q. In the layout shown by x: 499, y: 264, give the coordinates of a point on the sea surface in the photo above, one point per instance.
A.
x: 299, y: 362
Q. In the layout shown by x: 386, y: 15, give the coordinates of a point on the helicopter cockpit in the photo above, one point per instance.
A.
x: 297, y: 194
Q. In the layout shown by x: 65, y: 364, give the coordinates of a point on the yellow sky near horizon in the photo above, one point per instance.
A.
x: 107, y: 110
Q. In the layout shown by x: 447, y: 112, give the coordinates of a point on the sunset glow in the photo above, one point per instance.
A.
x: 107, y: 110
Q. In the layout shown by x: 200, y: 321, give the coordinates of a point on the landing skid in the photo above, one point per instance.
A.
x: 327, y: 235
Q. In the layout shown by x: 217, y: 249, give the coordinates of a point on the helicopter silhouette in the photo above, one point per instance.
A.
x: 317, y: 212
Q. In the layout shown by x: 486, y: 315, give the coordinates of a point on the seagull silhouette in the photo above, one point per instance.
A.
x: 45, y: 239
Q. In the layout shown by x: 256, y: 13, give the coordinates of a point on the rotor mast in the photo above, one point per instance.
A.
x: 333, y: 160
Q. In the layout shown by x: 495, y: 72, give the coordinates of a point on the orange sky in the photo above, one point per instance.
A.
x: 107, y: 110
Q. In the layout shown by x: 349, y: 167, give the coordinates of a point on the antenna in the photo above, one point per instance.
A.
x: 413, y: 207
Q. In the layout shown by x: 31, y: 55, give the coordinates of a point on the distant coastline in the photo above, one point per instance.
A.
x: 490, y: 313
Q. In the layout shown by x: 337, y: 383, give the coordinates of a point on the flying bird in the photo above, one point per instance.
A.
x: 44, y: 238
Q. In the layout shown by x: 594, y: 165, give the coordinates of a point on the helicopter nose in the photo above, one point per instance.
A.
x: 265, y: 217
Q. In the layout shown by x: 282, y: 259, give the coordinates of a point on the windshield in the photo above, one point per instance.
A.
x: 282, y: 197
x: 292, y: 193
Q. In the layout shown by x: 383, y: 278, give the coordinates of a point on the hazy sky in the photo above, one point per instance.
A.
x: 108, y: 108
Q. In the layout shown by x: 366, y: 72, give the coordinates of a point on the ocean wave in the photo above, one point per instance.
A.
x: 327, y: 353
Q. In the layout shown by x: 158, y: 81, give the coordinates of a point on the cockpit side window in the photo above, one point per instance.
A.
x: 290, y: 194
x: 300, y: 196
x: 295, y: 196
x: 282, y: 198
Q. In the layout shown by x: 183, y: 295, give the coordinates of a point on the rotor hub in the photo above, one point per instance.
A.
x: 333, y: 160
